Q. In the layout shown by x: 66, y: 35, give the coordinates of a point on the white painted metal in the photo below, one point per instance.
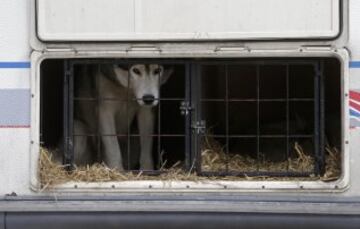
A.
x: 19, y: 158
x: 154, y: 20
x: 208, y: 186
x: 14, y: 30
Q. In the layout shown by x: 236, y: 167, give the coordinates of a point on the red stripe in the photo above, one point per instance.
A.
x: 355, y: 95
x: 355, y: 105
x: 14, y: 126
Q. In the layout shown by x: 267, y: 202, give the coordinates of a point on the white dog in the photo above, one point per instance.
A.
x: 138, y: 88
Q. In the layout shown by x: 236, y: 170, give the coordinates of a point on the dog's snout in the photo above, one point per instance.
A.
x: 148, y: 99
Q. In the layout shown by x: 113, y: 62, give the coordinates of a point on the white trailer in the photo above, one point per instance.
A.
x: 40, y: 38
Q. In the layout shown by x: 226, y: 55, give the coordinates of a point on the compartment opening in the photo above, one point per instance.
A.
x: 260, y: 117
x: 81, y: 123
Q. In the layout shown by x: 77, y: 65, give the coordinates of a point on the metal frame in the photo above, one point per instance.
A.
x: 227, y: 187
x: 319, y: 115
x: 69, y: 98
x: 195, y: 126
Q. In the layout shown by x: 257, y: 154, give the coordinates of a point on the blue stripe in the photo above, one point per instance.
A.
x: 354, y: 64
x: 354, y: 113
x: 15, y: 107
x: 354, y: 123
x: 15, y: 64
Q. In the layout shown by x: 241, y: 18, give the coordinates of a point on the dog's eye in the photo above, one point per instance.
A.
x: 157, y: 71
x: 136, y: 71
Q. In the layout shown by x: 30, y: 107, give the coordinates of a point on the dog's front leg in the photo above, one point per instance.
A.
x: 146, y: 128
x: 112, y: 152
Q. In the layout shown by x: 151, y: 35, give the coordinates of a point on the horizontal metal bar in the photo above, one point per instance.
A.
x: 210, y: 135
x: 256, y: 173
x: 125, y: 100
x: 147, y: 172
x: 202, y: 100
x: 260, y: 136
x: 130, y: 135
x: 260, y: 100
x: 262, y: 62
x: 238, y: 61
x: 131, y: 61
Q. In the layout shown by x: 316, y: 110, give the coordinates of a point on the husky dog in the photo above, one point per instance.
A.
x: 124, y: 94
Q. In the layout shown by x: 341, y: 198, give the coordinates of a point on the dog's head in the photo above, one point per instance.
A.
x: 144, y: 80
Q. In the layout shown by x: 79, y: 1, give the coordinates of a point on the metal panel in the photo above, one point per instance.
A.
x: 2, y: 221
x: 156, y: 20
x: 176, y: 220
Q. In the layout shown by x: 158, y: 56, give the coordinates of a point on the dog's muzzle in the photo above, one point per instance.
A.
x: 148, y: 99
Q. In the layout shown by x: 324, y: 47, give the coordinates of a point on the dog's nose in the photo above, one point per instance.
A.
x: 148, y: 99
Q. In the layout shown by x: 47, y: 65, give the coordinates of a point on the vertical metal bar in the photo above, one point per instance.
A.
x: 258, y: 116
x: 71, y: 116
x: 197, y: 116
x: 159, y: 126
x: 97, y: 110
x: 42, y: 106
x: 319, y: 119
x: 68, y: 158
x: 316, y: 118
x: 287, y: 116
x: 188, y: 153
x: 66, y: 111
x: 322, y: 120
x: 227, y: 116
x: 128, y: 133
x: 320, y: 159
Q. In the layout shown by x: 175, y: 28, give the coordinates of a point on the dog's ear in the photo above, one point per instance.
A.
x: 165, y: 76
x: 121, y: 75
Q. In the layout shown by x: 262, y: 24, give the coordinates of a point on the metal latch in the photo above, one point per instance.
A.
x: 185, y: 108
x: 199, y: 127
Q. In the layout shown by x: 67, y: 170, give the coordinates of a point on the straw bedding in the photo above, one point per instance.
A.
x: 53, y: 173
x: 213, y: 158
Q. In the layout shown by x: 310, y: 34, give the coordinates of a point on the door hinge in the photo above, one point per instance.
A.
x: 199, y: 127
x: 185, y: 108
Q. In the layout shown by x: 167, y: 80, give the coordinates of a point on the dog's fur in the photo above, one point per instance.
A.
x: 124, y: 94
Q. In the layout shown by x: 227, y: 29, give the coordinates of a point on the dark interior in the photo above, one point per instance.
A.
x: 235, y: 119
